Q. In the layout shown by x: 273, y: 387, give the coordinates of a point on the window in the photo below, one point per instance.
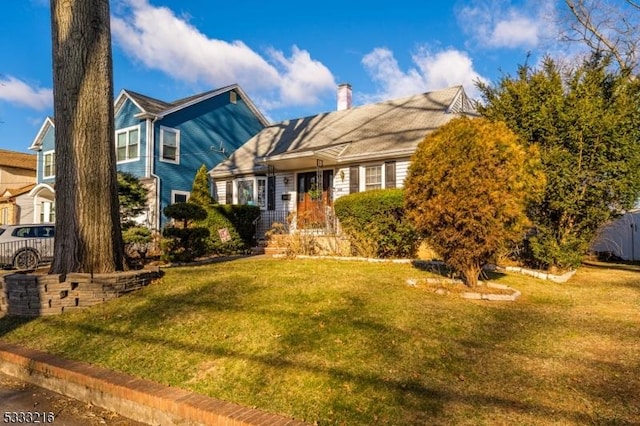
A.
x: 372, y: 177
x: 169, y: 145
x: 49, y: 169
x: 128, y: 144
x: 179, y: 196
x: 245, y: 192
x: 47, y: 212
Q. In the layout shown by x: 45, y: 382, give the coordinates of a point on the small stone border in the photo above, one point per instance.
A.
x: 515, y: 294
x: 503, y: 269
x: 533, y: 273
x: 347, y: 258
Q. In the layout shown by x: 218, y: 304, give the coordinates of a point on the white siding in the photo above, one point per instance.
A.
x: 288, y: 188
x: 340, y: 185
x: 402, y: 168
x: 221, y: 191
x: 24, y: 203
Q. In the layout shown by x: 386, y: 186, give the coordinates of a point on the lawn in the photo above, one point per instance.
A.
x: 351, y: 343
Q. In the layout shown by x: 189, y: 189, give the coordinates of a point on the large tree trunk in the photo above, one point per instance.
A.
x: 88, y: 235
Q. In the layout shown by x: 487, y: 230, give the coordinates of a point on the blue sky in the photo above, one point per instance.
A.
x: 288, y: 56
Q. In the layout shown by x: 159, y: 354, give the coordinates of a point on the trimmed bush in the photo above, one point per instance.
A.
x: 376, y: 225
x: 238, y: 220
x: 186, y: 243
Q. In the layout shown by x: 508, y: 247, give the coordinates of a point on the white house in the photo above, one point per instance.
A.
x: 303, y: 165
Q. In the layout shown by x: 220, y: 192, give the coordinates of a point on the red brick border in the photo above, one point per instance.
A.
x: 139, y: 399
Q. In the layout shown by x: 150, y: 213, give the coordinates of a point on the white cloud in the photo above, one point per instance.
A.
x: 160, y: 40
x: 514, y: 32
x: 431, y: 71
x: 18, y: 92
x: 498, y: 24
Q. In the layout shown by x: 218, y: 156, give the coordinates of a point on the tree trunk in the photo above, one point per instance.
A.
x: 471, y: 274
x: 88, y: 234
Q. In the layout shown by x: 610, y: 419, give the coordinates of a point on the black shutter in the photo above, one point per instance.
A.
x: 390, y: 174
x: 271, y: 193
x: 354, y: 179
x: 229, y: 192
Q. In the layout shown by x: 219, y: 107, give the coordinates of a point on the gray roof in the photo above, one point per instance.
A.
x: 383, y: 130
x: 147, y: 103
x: 156, y: 107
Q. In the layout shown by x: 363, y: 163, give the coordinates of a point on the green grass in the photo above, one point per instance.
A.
x: 351, y: 343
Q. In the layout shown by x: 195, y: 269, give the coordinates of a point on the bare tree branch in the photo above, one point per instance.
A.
x: 609, y: 26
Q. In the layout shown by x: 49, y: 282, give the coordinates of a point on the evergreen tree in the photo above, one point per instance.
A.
x: 132, y: 196
x: 586, y: 123
x: 200, y: 193
x: 467, y: 190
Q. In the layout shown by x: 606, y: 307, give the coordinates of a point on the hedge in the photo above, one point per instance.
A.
x: 376, y: 224
x: 238, y: 220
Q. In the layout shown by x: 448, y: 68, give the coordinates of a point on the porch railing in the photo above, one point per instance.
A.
x: 267, y: 219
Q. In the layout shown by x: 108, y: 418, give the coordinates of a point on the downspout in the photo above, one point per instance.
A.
x: 151, y: 166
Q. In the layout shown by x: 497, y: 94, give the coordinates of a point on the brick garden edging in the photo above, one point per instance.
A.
x: 31, y: 295
x: 138, y: 399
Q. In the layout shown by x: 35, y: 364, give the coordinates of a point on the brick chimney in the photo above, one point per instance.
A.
x: 344, y: 96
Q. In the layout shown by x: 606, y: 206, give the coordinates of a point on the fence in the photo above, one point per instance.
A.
x: 267, y: 219
x: 27, y: 253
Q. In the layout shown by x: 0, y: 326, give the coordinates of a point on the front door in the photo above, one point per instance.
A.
x: 313, y: 197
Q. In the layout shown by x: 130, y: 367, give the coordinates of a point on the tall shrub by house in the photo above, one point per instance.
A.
x: 467, y: 191
x: 376, y: 224
x: 586, y: 124
x: 231, y: 227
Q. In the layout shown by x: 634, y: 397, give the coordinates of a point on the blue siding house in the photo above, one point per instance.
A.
x: 161, y: 143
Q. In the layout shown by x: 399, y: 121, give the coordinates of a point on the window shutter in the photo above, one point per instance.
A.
x: 354, y: 179
x: 390, y: 174
x: 271, y: 193
x: 229, y: 192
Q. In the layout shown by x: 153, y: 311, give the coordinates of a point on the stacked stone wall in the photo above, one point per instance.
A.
x: 33, y: 295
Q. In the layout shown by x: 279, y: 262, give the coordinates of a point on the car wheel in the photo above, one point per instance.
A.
x: 26, y: 259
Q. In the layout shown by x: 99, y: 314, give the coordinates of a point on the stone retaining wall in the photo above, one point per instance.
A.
x: 32, y: 295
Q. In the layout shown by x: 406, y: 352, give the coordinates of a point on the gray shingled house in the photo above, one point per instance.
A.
x: 303, y: 165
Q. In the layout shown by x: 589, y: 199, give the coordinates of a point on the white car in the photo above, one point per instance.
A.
x: 26, y: 246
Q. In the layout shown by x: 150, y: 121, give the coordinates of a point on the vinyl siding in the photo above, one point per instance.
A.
x: 48, y: 144
x: 203, y: 127
x: 24, y: 204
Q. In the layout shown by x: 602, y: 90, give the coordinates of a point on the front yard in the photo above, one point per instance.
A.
x: 352, y: 343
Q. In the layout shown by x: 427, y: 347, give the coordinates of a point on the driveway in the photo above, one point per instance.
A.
x: 21, y: 397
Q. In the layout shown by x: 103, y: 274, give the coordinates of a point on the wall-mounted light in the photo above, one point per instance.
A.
x: 285, y: 180
x: 342, y: 175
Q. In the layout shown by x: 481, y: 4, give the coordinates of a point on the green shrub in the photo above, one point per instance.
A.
x: 238, y: 220
x: 185, y: 212
x: 184, y: 244
x: 242, y: 217
x: 137, y: 240
x: 375, y: 223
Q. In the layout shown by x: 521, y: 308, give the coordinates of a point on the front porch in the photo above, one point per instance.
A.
x: 320, y: 220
